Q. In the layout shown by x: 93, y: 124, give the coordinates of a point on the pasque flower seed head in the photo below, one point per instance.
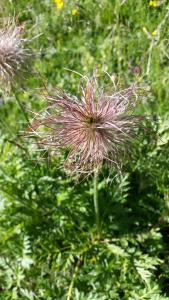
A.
x: 14, y: 57
x: 95, y: 129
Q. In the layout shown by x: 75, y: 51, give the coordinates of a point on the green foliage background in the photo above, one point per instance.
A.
x: 48, y: 245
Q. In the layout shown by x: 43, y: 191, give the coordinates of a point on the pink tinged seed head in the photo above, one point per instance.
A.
x: 97, y: 128
x: 14, y: 57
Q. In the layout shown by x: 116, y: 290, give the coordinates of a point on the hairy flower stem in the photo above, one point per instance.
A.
x: 96, y: 202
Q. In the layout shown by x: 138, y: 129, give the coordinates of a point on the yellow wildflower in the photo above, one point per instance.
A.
x: 74, y: 12
x: 93, y: 259
x: 154, y: 33
x: 153, y: 3
x: 59, y: 4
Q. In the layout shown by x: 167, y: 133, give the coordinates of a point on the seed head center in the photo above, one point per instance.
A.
x: 92, y: 120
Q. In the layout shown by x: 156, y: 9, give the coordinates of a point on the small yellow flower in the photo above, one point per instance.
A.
x: 153, y: 3
x: 154, y: 33
x: 93, y: 259
x: 59, y: 4
x: 74, y: 12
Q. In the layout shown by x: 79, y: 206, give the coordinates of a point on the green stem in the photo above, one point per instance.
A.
x: 69, y: 295
x: 96, y: 202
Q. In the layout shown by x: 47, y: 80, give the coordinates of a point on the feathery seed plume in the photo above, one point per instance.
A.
x: 97, y: 128
x: 14, y: 57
